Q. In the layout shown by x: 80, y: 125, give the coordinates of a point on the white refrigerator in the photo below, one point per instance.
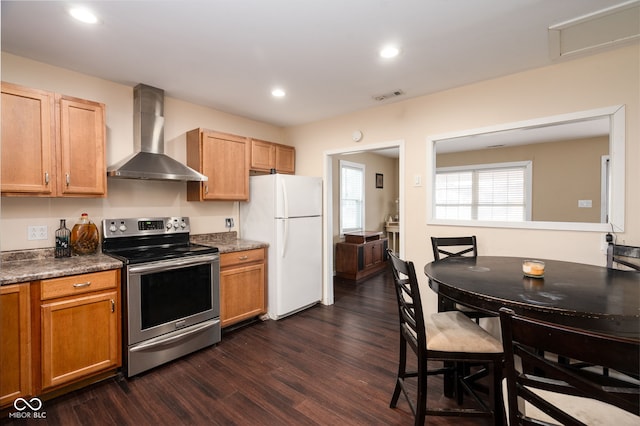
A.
x: 285, y: 211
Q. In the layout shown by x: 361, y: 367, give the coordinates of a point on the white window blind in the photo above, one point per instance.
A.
x: 351, y: 197
x: 489, y: 192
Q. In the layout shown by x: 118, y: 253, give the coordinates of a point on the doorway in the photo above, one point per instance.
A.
x: 395, y: 148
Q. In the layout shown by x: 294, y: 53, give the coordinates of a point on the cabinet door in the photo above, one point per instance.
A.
x: 242, y: 293
x: 262, y: 155
x: 15, y: 349
x: 285, y: 159
x: 378, y: 248
x: 225, y: 161
x: 79, y: 337
x: 28, y: 139
x: 369, y: 254
x: 82, y: 161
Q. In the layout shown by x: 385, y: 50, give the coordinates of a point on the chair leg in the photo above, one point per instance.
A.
x: 461, y: 372
x: 402, y: 370
x: 495, y: 393
x: 421, y: 406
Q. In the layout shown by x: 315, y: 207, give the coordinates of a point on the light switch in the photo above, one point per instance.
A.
x: 417, y: 180
x: 584, y: 204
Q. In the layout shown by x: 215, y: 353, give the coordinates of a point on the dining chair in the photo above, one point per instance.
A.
x: 444, y: 247
x: 543, y: 390
x: 628, y: 256
x: 443, y: 336
x: 455, y: 246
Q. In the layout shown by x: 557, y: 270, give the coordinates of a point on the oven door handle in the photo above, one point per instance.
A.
x: 164, y: 341
x: 172, y: 264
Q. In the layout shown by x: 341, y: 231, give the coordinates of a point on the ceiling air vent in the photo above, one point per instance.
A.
x: 388, y: 95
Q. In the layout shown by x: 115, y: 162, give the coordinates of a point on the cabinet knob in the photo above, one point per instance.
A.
x: 46, y: 178
x: 113, y: 305
x: 85, y: 284
x: 206, y: 189
x: 68, y: 178
x: 243, y: 257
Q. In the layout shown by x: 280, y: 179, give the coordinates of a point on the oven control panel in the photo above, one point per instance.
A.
x: 131, y: 227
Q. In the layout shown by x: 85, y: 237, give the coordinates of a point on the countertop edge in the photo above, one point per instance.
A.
x: 39, y: 264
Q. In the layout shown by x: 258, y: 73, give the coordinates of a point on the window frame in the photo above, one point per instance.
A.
x: 362, y: 168
x: 527, y: 166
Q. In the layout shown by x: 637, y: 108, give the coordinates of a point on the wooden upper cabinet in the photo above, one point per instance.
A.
x: 285, y: 159
x: 268, y: 155
x: 263, y: 155
x: 224, y: 159
x: 82, y: 148
x: 28, y: 141
x: 52, y: 145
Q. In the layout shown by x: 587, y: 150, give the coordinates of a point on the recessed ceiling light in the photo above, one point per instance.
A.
x: 389, y: 52
x: 278, y: 93
x: 83, y: 15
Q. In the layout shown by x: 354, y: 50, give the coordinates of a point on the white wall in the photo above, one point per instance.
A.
x: 604, y: 79
x: 125, y: 197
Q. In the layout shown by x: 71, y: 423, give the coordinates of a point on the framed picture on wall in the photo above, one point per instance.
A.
x: 379, y: 180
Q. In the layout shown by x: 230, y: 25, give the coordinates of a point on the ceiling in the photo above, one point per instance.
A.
x: 229, y: 54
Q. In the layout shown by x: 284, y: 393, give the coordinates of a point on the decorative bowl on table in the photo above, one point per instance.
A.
x: 533, y: 268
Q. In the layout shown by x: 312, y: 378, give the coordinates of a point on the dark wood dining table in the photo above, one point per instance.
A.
x: 584, y: 296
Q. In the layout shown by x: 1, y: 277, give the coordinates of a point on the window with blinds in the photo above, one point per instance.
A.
x: 489, y: 192
x: 351, y: 197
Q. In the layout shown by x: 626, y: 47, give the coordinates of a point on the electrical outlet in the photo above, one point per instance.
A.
x: 37, y: 232
x: 228, y: 222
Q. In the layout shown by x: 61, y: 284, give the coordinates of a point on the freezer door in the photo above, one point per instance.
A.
x: 298, y: 269
x: 298, y: 196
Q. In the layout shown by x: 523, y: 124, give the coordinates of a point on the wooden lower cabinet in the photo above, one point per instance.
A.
x: 80, y: 327
x: 242, y: 285
x: 15, y: 347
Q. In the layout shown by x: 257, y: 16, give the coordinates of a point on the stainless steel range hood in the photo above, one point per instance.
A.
x: 149, y: 160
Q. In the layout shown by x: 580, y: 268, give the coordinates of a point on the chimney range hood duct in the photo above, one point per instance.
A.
x: 149, y: 161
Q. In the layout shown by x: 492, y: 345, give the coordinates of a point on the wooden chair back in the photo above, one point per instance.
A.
x: 535, y: 344
x: 628, y: 256
x: 409, y: 302
x: 454, y: 246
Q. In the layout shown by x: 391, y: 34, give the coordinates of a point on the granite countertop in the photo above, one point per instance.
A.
x: 227, y: 242
x: 30, y: 265
x: 21, y: 266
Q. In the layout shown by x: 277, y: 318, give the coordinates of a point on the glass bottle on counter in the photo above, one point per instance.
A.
x: 63, y: 235
x: 84, y: 236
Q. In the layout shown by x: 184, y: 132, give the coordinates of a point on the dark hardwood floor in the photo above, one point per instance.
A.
x: 328, y: 365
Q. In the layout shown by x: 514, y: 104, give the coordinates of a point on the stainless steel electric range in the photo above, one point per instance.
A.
x: 170, y: 290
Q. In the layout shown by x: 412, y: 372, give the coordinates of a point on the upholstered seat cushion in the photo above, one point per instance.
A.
x: 589, y: 411
x: 453, y: 331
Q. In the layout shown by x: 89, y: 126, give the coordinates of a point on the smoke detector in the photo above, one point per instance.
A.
x: 388, y: 95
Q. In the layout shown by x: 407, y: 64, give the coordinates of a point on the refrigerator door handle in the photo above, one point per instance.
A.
x: 285, y: 199
x: 285, y: 238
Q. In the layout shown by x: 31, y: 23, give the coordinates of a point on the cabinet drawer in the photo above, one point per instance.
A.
x: 240, y: 257
x: 78, y: 284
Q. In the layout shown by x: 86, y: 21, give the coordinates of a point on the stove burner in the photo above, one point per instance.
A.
x: 153, y: 254
x: 150, y: 239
